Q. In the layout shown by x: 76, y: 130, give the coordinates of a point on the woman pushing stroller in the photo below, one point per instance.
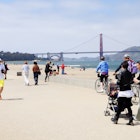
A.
x: 125, y: 94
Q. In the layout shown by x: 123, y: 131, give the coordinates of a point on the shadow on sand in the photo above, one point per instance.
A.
x: 12, y: 99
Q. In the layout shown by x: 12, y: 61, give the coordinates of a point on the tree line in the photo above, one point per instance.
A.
x: 16, y: 56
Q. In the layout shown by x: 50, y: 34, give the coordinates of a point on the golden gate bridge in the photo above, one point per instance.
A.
x: 60, y: 55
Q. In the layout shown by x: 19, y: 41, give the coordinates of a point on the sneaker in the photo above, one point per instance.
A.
x: 115, y: 121
x: 130, y: 123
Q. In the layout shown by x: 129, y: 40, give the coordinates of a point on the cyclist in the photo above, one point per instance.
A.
x: 131, y: 65
x: 102, y: 69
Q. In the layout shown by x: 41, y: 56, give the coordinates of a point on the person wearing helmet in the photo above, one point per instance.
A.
x: 102, y: 68
x: 131, y: 65
x: 125, y: 58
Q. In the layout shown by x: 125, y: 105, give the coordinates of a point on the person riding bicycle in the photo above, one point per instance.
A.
x: 102, y: 68
x: 131, y: 65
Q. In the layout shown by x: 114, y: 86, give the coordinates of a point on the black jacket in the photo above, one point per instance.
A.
x: 138, y: 78
x: 47, y: 68
x: 125, y: 80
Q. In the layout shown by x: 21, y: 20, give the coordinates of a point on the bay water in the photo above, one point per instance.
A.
x: 74, y: 63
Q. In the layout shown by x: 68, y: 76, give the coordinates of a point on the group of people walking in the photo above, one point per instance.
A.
x: 125, y: 75
x: 36, y: 72
x: 25, y: 71
x: 49, y: 69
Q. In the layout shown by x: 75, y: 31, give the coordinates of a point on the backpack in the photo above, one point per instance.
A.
x: 132, y: 66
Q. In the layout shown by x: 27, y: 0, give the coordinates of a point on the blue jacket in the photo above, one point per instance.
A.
x: 102, y: 67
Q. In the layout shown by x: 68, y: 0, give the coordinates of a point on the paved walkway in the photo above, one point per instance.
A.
x: 53, y: 111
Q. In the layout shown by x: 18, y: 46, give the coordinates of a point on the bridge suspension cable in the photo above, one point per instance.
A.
x: 120, y: 42
x: 78, y: 46
x: 68, y: 51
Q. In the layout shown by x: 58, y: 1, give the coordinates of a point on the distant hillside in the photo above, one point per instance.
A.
x: 134, y: 53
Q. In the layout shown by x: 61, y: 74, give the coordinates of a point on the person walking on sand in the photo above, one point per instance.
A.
x: 125, y: 78
x: 2, y: 72
x: 57, y: 68
x: 6, y: 69
x: 47, y: 70
x: 25, y: 71
x: 36, y: 72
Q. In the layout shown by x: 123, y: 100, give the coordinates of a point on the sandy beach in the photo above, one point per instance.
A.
x: 59, y: 110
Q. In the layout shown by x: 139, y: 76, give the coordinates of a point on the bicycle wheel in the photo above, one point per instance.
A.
x: 106, y: 86
x: 135, y: 89
x: 98, y: 86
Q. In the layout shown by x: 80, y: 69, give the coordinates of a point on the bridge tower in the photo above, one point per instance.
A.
x: 101, y: 45
x: 61, y: 56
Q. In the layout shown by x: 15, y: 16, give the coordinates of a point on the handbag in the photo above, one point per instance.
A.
x: 39, y: 73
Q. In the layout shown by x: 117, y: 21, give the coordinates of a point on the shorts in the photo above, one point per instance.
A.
x: 103, y: 77
x: 1, y: 83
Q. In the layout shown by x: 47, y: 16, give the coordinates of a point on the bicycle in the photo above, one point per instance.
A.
x: 102, y: 87
x: 136, y: 89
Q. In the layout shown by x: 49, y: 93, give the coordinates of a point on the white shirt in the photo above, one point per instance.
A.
x: 25, y: 68
x: 2, y: 67
x: 127, y: 94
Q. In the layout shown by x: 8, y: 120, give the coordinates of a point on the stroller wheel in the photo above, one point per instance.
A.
x: 107, y: 113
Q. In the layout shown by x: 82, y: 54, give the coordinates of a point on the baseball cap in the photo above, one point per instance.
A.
x: 126, y: 56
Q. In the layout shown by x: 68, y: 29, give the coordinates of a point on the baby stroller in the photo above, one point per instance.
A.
x: 112, y: 99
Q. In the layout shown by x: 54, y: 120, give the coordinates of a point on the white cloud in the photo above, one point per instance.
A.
x: 40, y: 26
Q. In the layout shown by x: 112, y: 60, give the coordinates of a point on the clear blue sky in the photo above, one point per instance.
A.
x: 36, y: 26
